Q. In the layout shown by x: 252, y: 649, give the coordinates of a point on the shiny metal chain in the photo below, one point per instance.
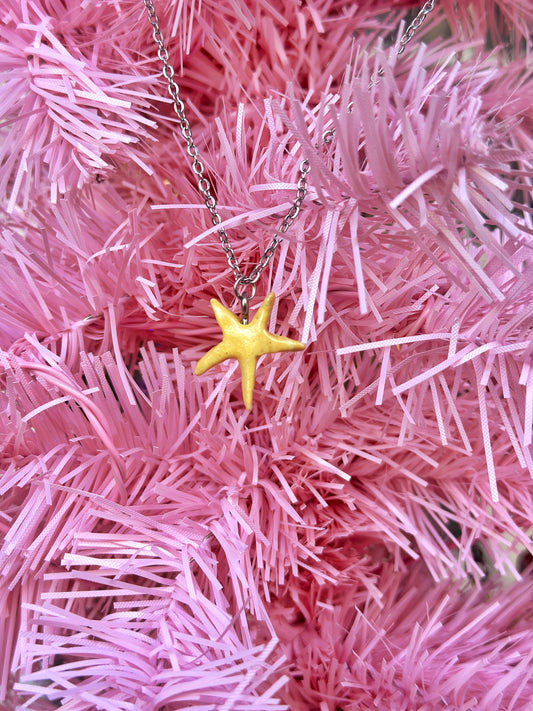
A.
x: 409, y: 33
x: 407, y: 36
x: 245, y: 284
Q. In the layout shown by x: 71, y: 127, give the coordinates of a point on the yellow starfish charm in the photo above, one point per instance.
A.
x: 245, y: 342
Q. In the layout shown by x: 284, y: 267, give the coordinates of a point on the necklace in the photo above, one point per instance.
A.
x: 242, y: 340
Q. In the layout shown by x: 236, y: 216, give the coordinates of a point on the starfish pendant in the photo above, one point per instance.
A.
x: 245, y: 343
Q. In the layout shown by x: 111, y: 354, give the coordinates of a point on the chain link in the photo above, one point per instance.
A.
x: 245, y: 284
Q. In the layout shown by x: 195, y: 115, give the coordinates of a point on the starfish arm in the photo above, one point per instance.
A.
x: 225, y: 318
x: 248, y: 379
x: 270, y: 343
x: 216, y: 355
x: 262, y: 314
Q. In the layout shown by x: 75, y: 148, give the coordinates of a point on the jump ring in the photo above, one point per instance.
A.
x: 244, y: 281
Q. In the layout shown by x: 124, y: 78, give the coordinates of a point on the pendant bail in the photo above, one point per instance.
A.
x: 244, y: 309
x: 245, y: 291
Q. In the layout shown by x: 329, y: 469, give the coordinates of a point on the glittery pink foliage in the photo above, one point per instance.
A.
x: 360, y: 539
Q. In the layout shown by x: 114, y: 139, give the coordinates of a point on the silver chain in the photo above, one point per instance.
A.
x: 407, y: 36
x: 245, y: 284
x: 409, y: 33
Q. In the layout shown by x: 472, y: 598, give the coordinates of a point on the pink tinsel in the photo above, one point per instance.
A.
x: 361, y: 538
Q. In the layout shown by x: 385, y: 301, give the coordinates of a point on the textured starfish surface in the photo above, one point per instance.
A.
x: 245, y: 342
